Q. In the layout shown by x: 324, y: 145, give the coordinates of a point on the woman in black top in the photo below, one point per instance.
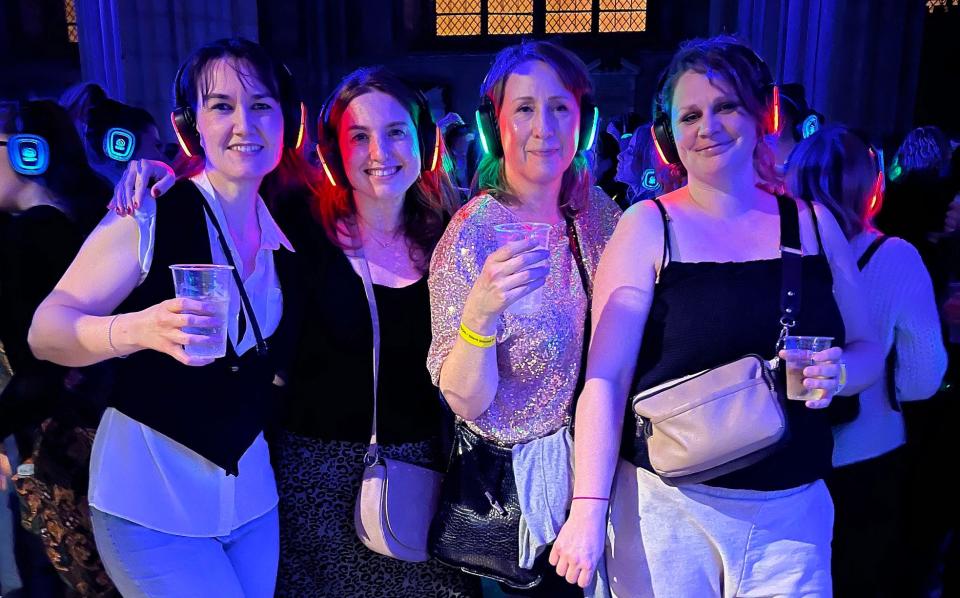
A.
x: 386, y: 194
x: 696, y: 277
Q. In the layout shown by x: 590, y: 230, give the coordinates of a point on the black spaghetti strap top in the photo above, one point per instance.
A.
x: 705, y: 314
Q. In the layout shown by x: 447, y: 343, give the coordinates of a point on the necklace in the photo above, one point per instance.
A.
x: 383, y: 244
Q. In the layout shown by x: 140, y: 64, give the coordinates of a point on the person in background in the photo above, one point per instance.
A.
x: 113, y: 133
x: 636, y: 167
x: 797, y: 122
x: 49, y: 195
x: 606, y: 166
x: 916, y: 204
x: 458, y: 137
x: 836, y: 169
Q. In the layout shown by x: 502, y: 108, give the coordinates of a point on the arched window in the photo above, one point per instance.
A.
x: 465, y: 18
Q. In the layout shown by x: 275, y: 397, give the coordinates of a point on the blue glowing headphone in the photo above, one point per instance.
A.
x: 29, y: 155
x: 119, y: 144
x: 649, y: 181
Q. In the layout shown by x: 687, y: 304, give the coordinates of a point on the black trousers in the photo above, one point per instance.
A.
x: 868, y: 503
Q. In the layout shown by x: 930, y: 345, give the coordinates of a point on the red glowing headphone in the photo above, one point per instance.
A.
x: 184, y: 119
x: 662, y: 131
x: 429, y: 137
x: 879, y: 186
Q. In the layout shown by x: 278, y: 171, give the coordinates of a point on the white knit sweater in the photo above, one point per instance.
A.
x: 900, y: 300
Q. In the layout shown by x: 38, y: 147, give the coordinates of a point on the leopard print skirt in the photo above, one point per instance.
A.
x: 320, y: 554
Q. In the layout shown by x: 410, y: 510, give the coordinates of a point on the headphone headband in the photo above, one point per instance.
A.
x: 429, y: 138
x: 184, y: 120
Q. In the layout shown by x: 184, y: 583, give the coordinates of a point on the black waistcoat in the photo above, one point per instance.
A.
x: 219, y: 409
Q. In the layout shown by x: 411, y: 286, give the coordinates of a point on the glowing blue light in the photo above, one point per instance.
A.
x: 810, y: 125
x: 650, y: 180
x: 119, y: 144
x: 29, y: 154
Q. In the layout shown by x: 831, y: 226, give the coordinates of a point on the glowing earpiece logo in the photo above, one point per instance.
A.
x: 29, y: 154
x: 649, y: 181
x: 119, y: 144
x: 810, y: 125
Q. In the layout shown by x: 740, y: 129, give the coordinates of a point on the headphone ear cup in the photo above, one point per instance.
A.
x: 663, y: 139
x: 185, y: 127
x: 589, y: 122
x: 487, y: 127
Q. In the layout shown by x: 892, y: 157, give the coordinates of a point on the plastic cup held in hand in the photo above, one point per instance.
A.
x: 795, y: 388
x: 518, y: 231
x: 210, y: 284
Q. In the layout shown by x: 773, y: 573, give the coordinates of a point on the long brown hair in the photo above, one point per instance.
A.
x: 577, y: 178
x: 428, y: 203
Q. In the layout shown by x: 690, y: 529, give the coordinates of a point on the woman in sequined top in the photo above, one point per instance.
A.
x: 521, y: 387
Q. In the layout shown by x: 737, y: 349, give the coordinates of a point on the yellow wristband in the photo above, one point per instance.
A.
x: 477, y: 340
x: 842, y: 378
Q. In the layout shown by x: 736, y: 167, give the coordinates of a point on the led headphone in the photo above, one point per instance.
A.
x: 490, y: 132
x: 428, y: 137
x: 28, y: 154
x: 649, y: 180
x: 184, y: 120
x: 876, y: 194
x: 119, y: 144
x: 808, y: 121
x: 662, y: 131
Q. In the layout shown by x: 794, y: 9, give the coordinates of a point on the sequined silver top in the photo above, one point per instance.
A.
x: 538, y: 355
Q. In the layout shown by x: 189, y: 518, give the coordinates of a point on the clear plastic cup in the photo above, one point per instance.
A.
x: 518, y: 231
x: 211, y: 284
x: 795, y: 388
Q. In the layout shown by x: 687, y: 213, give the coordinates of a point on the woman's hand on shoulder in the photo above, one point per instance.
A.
x: 140, y: 178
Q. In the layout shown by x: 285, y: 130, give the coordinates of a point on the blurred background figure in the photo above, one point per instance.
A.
x: 460, y: 139
x: 797, y: 122
x: 636, y: 168
x: 113, y: 133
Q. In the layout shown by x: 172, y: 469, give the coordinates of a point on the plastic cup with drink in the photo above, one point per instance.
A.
x: 209, y: 283
x: 520, y: 231
x: 812, y: 344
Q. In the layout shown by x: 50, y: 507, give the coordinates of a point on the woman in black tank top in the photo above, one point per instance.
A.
x: 688, y: 283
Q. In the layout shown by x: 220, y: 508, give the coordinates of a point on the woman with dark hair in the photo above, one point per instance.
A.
x: 510, y: 376
x: 49, y: 197
x: 838, y: 170
x: 182, y: 493
x: 690, y: 281
x: 114, y: 133
x: 383, y: 195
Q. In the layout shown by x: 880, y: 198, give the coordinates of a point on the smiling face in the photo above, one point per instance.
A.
x: 539, y: 124
x: 240, y: 123
x: 715, y: 135
x: 379, y: 146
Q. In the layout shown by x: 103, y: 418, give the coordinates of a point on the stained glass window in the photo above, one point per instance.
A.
x: 458, y: 17
x: 569, y: 16
x: 516, y: 17
x: 622, y: 15
x: 70, y: 9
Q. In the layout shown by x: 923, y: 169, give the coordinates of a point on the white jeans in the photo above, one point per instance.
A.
x: 699, y: 541
x: 146, y: 563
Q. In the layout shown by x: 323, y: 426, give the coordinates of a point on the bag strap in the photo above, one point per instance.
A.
x: 359, y: 261
x: 262, y: 348
x: 891, y: 362
x: 872, y: 249
x: 666, y: 236
x: 791, y: 257
x: 574, y: 241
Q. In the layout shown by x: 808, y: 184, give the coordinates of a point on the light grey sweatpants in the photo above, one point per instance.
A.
x: 698, y: 541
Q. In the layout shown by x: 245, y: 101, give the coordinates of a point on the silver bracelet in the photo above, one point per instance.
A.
x: 110, y: 335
